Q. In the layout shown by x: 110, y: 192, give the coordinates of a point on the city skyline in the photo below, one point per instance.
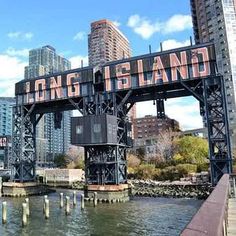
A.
x: 168, y: 24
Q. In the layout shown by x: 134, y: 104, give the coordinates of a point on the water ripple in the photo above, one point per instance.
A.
x: 141, y: 216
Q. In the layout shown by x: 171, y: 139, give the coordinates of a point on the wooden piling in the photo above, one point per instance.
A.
x: 61, y: 200
x: 95, y: 199
x: 67, y: 205
x: 24, y: 214
x: 0, y: 186
x: 74, y: 198
x: 44, y: 198
x: 82, y: 201
x: 46, y: 208
x: 27, y: 206
x: 234, y: 187
x: 4, y: 212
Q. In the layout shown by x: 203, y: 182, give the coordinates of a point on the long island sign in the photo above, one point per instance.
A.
x: 154, y: 69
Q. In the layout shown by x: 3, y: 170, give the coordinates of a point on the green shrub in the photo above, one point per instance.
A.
x: 203, y: 167
x: 191, y: 149
x: 186, y: 168
x: 144, y: 171
x: 79, y: 164
x: 169, y: 173
x: 164, y: 164
x: 175, y: 172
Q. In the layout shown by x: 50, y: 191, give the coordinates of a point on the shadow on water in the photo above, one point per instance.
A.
x: 141, y: 216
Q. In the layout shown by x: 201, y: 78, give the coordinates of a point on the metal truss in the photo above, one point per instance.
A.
x: 218, y: 128
x: 106, y: 164
x: 7, y: 156
x: 23, y: 144
x: 210, y: 93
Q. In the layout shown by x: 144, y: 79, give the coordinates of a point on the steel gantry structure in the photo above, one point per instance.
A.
x: 105, y: 95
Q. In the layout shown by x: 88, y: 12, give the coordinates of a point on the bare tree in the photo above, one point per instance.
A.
x: 164, y: 145
x: 75, y: 155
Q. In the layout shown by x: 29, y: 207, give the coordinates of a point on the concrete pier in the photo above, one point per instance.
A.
x: 117, y: 193
x: 15, y: 189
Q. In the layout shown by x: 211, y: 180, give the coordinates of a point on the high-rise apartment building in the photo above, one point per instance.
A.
x: 6, y: 104
x: 44, y: 61
x: 106, y: 43
x: 49, y: 141
x: 215, y: 21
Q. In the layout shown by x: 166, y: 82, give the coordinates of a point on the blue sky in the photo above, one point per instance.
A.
x: 27, y: 24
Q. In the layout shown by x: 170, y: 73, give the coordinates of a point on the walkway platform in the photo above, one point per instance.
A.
x: 231, y: 217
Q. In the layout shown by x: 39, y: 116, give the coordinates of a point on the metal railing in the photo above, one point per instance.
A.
x: 212, y: 217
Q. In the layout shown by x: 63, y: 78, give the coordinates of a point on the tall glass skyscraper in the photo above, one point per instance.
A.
x: 49, y: 141
x: 215, y: 21
x: 6, y: 104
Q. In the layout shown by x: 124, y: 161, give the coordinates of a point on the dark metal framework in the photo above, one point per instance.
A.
x: 6, y: 146
x: 106, y: 164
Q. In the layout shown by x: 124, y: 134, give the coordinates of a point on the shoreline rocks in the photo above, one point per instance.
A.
x: 176, y: 189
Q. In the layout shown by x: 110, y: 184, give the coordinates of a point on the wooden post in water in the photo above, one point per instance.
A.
x: 46, y: 208
x: 82, y: 201
x: 0, y: 186
x: 44, y: 199
x: 27, y: 206
x: 61, y: 200
x: 95, y: 199
x: 54, y: 181
x: 234, y: 186
x: 74, y: 199
x: 4, y: 212
x: 24, y: 214
x: 67, y: 205
x: 230, y: 189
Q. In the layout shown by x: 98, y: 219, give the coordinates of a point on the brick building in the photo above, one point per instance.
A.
x: 148, y: 130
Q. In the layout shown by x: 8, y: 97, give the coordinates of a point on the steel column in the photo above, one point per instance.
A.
x: 218, y: 128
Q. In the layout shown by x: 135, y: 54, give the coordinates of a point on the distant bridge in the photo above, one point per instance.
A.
x: 196, y: 132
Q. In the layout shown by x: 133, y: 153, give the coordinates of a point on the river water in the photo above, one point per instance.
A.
x: 140, y: 216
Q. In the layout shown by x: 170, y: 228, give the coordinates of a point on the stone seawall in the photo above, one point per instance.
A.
x: 176, y: 189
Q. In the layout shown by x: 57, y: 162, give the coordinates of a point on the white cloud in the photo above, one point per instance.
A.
x: 14, y: 52
x: 142, y: 26
x: 145, y: 28
x: 186, y: 113
x: 76, y: 61
x: 172, y: 43
x: 12, y: 70
x: 20, y: 35
x: 178, y: 23
x: 116, y: 23
x: 79, y: 36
